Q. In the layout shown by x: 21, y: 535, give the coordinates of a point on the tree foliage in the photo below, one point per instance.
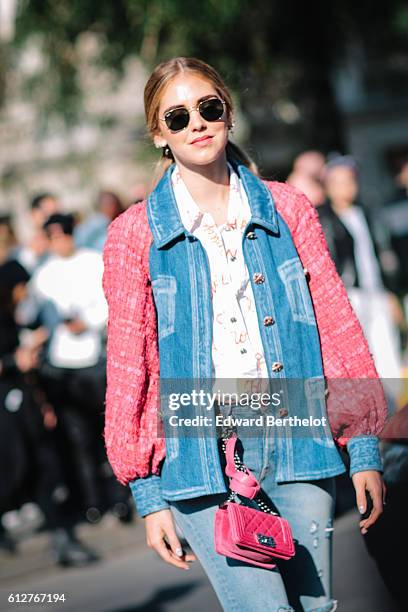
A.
x: 264, y: 48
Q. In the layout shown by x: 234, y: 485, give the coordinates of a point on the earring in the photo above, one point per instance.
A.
x: 167, y: 151
x: 231, y: 127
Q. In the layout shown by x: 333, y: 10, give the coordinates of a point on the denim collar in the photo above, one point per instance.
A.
x: 164, y: 218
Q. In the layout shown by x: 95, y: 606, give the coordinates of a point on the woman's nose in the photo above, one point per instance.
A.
x: 196, y: 120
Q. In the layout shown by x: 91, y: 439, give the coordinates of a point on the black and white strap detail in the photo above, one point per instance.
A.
x: 240, y: 467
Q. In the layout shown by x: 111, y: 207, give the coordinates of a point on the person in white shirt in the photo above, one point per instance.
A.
x: 68, y: 289
x: 70, y: 282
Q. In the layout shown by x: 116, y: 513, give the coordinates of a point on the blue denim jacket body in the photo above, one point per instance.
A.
x: 181, y: 286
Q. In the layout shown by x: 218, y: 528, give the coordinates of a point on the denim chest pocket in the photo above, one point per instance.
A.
x: 164, y: 291
x: 292, y: 275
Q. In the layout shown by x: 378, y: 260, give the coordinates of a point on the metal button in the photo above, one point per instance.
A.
x: 251, y: 235
x: 243, y: 351
x: 259, y: 278
x: 283, y: 412
x: 233, y: 320
x: 277, y: 366
x: 268, y: 321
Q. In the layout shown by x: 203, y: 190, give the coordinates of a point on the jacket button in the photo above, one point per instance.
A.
x: 268, y: 321
x: 283, y: 412
x: 277, y: 366
x: 251, y: 235
x: 259, y: 278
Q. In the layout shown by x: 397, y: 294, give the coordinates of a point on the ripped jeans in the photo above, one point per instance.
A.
x: 302, y: 584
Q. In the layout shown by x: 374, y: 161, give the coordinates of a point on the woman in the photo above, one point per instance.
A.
x: 205, y: 282
x: 358, y: 261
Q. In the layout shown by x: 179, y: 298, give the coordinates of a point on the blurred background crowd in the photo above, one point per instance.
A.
x: 321, y: 101
x: 53, y: 318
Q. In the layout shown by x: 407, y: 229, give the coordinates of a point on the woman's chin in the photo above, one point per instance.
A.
x: 204, y: 157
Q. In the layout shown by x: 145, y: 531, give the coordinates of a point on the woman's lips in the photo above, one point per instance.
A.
x: 201, y: 142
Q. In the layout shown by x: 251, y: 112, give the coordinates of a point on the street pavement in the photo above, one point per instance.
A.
x: 131, y: 578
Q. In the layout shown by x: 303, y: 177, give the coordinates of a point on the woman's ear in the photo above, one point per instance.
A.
x: 159, y: 141
x: 230, y: 120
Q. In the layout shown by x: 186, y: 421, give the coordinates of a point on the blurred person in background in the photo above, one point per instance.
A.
x: 307, y: 175
x: 68, y: 290
x: 42, y: 206
x: 91, y: 233
x: 395, y: 218
x: 362, y: 265
x: 358, y: 262
x: 35, y: 251
x: 29, y: 462
x: 392, y: 526
x: 8, y: 239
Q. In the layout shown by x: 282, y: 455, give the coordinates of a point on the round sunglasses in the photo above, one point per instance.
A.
x: 177, y: 119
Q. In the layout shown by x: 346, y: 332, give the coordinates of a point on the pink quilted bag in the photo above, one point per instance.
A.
x: 255, y: 536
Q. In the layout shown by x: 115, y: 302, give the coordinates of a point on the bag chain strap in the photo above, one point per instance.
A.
x: 240, y: 466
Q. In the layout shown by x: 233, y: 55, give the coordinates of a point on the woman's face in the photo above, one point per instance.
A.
x: 201, y: 142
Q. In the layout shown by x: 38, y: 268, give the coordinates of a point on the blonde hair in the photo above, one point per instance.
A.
x: 159, y: 79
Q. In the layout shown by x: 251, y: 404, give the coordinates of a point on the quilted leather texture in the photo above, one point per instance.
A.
x: 236, y: 529
x: 224, y: 544
x: 246, y: 523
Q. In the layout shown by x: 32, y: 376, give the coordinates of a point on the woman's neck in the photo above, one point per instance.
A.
x: 209, y: 187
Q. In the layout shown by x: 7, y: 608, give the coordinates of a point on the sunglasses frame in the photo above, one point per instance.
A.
x: 191, y: 108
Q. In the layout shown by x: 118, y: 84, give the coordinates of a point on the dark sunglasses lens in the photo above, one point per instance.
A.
x: 177, y: 119
x: 212, y: 110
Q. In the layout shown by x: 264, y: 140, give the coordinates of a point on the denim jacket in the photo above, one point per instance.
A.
x: 181, y: 286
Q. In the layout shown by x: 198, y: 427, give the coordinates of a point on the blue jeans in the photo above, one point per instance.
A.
x: 302, y: 584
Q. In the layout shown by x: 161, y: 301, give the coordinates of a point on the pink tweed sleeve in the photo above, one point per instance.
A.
x: 134, y: 450
x: 356, y: 403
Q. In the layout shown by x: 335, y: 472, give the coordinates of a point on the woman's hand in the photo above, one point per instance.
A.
x: 159, y: 528
x: 370, y: 481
